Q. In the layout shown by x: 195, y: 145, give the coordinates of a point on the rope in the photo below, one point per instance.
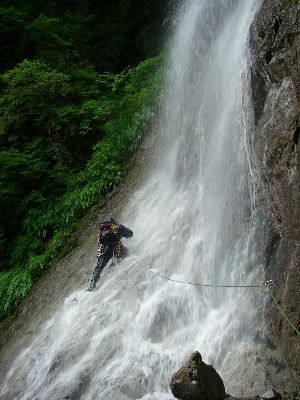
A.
x: 284, y: 314
x: 288, y: 271
x: 267, y: 284
x: 206, y: 284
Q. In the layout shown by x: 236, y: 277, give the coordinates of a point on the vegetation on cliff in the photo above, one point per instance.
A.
x: 73, y: 111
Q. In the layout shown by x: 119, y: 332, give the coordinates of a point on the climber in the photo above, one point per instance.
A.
x: 110, y: 245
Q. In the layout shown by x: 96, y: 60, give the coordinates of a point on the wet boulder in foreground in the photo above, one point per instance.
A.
x: 271, y: 394
x: 196, y: 380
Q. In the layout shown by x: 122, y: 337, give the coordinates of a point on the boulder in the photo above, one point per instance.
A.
x: 271, y: 394
x: 196, y: 380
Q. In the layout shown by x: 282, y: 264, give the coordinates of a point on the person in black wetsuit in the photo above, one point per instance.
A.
x: 110, y: 245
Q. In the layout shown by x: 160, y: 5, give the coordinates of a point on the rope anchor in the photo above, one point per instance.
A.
x: 271, y: 282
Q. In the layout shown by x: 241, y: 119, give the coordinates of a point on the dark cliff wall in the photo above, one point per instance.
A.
x: 275, y: 73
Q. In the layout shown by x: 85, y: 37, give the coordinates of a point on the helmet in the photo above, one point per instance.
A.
x: 110, y: 219
x: 106, y: 223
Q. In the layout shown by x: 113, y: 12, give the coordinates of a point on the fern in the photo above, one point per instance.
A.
x: 14, y: 286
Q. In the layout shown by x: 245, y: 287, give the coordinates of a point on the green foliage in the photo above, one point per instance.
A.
x: 14, y: 286
x: 46, y: 37
x: 66, y: 139
x: 45, y: 30
x: 68, y: 128
x: 106, y: 34
x: 32, y: 93
x: 12, y: 27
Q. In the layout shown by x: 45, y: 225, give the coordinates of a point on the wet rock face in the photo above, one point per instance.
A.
x: 275, y: 82
x: 275, y: 48
x: 196, y: 380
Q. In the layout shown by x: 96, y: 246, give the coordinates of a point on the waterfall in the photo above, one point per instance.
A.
x: 194, y: 220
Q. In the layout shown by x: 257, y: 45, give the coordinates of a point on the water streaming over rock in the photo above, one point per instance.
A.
x: 193, y: 219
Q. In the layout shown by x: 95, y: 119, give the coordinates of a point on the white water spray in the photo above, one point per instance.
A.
x: 192, y: 220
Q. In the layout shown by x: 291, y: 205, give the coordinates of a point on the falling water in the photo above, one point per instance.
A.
x: 194, y: 220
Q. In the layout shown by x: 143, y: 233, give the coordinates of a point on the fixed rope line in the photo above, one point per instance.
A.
x: 266, y: 285
x: 206, y: 284
x: 280, y: 309
x: 284, y: 314
x: 288, y: 271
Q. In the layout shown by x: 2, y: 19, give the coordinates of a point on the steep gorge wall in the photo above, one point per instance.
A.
x: 275, y: 75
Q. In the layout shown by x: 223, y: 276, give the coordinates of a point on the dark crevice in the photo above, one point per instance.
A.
x: 276, y: 26
x: 271, y: 247
x: 268, y: 56
x: 259, y: 91
x: 295, y: 138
